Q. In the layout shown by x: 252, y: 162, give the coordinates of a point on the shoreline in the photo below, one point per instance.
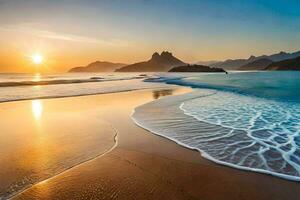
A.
x: 11, y: 196
x: 68, y: 98
x: 138, y: 149
x: 202, y: 152
x: 216, y: 161
x: 82, y: 95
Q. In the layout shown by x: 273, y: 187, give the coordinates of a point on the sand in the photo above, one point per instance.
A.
x: 141, y: 165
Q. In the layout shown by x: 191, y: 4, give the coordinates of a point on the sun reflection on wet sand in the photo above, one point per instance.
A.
x: 37, y: 109
x: 54, y: 135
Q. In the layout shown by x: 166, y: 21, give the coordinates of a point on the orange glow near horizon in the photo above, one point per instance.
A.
x: 68, y: 35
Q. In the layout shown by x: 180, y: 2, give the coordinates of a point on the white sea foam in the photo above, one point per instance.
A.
x: 23, y: 88
x: 240, y: 131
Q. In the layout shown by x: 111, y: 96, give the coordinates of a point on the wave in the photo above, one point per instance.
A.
x: 90, y: 86
x: 183, y: 81
x: 241, y: 131
x: 279, y: 86
x: 62, y: 81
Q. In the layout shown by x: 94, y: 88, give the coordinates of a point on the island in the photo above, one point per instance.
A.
x: 196, y: 68
x: 158, y: 63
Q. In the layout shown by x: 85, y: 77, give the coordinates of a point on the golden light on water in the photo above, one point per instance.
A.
x: 37, y: 58
x: 37, y: 77
x: 37, y: 108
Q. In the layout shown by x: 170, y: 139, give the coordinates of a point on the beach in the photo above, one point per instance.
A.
x: 129, y: 162
x: 149, y: 100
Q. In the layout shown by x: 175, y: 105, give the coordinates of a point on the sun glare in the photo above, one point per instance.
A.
x: 37, y: 59
x: 37, y: 108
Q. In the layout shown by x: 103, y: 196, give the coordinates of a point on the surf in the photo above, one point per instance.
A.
x: 231, y: 122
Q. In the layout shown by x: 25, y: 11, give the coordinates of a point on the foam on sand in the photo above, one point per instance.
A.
x: 240, y: 131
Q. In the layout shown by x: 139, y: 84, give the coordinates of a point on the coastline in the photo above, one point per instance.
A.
x: 73, y: 90
x: 147, y: 166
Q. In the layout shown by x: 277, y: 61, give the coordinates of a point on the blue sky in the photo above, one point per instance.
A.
x: 130, y: 30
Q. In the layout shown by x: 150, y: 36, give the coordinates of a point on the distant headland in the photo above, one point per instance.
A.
x: 167, y: 62
x: 158, y: 63
x: 196, y: 68
x: 98, y: 66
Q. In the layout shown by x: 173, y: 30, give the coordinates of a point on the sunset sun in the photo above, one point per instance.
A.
x: 37, y: 59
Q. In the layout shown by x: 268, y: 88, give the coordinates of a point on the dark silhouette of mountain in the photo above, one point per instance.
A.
x: 259, y: 64
x: 238, y: 63
x: 290, y: 64
x: 196, y: 68
x: 158, y: 63
x: 98, y: 66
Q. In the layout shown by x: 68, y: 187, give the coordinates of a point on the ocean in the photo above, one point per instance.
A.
x: 245, y: 120
x: 14, y: 87
x: 40, y: 139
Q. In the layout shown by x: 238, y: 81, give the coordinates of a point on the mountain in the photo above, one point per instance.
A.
x: 259, y: 64
x: 195, y: 68
x: 283, y: 56
x: 290, y: 64
x: 239, y: 63
x: 230, y: 64
x: 98, y: 66
x: 207, y: 63
x: 158, y: 63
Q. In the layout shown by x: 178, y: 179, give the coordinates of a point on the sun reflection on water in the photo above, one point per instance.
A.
x: 37, y: 108
x: 37, y: 77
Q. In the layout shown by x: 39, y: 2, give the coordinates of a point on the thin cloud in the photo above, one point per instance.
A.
x: 59, y: 36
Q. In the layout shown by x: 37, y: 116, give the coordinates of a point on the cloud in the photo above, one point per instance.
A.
x: 59, y: 36
x: 66, y: 37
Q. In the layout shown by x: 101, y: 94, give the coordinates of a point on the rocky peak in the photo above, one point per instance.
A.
x: 282, y: 53
x: 251, y: 57
x: 158, y: 63
x: 163, y: 57
x: 166, y: 54
x: 155, y: 56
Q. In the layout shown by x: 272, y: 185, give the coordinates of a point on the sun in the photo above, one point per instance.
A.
x: 37, y: 59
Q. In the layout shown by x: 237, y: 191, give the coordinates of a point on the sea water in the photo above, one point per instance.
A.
x: 15, y: 87
x: 248, y: 120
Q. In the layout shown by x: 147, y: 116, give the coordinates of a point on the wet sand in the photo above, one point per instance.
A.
x: 41, y: 138
x: 145, y: 166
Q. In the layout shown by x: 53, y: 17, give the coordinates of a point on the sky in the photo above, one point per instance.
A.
x: 69, y: 33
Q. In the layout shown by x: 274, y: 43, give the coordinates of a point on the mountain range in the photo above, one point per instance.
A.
x: 253, y: 62
x: 158, y: 63
x: 289, y: 64
x: 165, y: 61
x: 207, y: 63
x: 98, y: 66
x: 259, y: 64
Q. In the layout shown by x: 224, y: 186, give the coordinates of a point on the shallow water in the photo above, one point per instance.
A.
x: 245, y: 120
x: 15, y: 87
x: 41, y: 138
